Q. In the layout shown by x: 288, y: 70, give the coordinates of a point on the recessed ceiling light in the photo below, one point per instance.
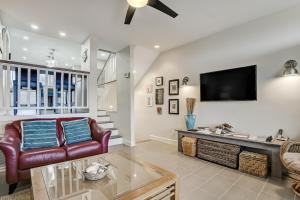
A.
x: 25, y: 49
x: 156, y: 46
x: 134, y: 71
x: 62, y: 34
x: 25, y: 37
x: 67, y: 65
x: 24, y: 58
x: 73, y: 58
x: 34, y: 27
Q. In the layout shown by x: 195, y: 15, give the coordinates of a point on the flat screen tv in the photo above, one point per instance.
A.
x: 237, y: 84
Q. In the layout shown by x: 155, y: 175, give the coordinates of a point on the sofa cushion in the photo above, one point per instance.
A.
x: 76, y: 131
x: 41, y: 157
x: 292, y: 160
x: 38, y: 134
x: 84, y: 149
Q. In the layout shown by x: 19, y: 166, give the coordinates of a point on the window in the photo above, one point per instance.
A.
x: 37, y: 91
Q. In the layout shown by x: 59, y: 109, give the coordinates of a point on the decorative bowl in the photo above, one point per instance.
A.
x: 95, y: 171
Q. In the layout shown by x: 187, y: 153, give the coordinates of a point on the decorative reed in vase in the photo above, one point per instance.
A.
x: 190, y: 118
x: 190, y: 104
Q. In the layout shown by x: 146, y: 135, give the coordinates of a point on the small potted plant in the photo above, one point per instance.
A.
x: 190, y: 118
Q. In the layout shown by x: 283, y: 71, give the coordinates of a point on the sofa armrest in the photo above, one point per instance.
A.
x: 10, y: 146
x: 100, y: 135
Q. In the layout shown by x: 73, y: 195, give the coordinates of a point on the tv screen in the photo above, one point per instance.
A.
x: 237, y: 84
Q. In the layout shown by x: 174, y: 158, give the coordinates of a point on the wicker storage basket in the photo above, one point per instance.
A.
x: 189, y: 146
x: 254, y: 163
x: 221, y: 153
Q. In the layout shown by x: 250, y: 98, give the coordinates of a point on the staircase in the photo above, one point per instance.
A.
x: 104, y: 121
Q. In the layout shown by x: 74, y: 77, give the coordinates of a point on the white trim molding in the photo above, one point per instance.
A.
x: 129, y: 143
x: 164, y: 140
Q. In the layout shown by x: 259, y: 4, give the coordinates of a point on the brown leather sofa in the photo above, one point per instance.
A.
x: 18, y: 163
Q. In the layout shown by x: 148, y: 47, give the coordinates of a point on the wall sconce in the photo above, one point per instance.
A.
x: 290, y: 68
x: 185, y: 81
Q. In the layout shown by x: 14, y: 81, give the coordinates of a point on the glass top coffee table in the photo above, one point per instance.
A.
x: 128, y: 178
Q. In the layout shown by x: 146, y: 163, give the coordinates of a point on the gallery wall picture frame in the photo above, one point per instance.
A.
x: 149, y: 101
x: 174, y: 87
x: 149, y: 89
x: 159, y: 81
x: 159, y: 110
x: 174, y: 106
x: 159, y: 96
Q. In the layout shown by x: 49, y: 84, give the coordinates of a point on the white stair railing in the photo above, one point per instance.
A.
x: 107, y: 85
x: 107, y: 97
x: 27, y: 89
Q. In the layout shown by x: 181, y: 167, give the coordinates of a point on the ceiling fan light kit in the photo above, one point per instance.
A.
x: 137, y: 3
x: 156, y: 4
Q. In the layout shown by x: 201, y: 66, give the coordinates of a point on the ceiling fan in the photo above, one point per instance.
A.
x: 134, y: 4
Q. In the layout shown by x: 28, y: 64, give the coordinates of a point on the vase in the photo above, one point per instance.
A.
x: 190, y: 121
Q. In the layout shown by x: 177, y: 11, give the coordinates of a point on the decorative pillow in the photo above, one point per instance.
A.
x: 76, y: 131
x: 38, y: 134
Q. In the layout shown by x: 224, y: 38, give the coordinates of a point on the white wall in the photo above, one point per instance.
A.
x: 122, y: 118
x: 92, y: 67
x: 267, y: 42
x: 142, y: 59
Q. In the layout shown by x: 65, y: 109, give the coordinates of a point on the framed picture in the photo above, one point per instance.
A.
x: 149, y: 101
x: 159, y: 96
x: 159, y: 110
x: 174, y: 87
x: 159, y: 81
x: 149, y: 89
x: 174, y: 106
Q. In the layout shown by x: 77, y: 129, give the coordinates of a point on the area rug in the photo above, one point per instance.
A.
x: 22, y: 195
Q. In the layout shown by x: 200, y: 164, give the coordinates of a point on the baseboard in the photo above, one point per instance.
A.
x: 164, y: 140
x: 128, y: 143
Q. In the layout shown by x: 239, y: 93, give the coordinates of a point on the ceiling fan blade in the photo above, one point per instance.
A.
x: 162, y: 7
x: 129, y: 15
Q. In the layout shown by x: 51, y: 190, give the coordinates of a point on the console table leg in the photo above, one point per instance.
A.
x: 180, y: 136
x: 276, y: 165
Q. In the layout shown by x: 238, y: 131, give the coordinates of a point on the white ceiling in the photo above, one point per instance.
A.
x: 67, y: 53
x: 80, y: 18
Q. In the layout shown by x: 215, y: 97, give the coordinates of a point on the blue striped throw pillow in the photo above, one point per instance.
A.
x: 38, y: 134
x: 76, y: 131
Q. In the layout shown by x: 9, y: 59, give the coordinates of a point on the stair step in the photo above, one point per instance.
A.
x: 106, y: 122
x: 115, y: 140
x: 103, y: 115
x: 101, y: 112
x: 106, y: 125
x: 115, y: 136
x: 114, y: 131
x: 102, y: 118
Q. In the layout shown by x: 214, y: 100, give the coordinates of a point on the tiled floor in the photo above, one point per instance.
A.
x: 201, y: 180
